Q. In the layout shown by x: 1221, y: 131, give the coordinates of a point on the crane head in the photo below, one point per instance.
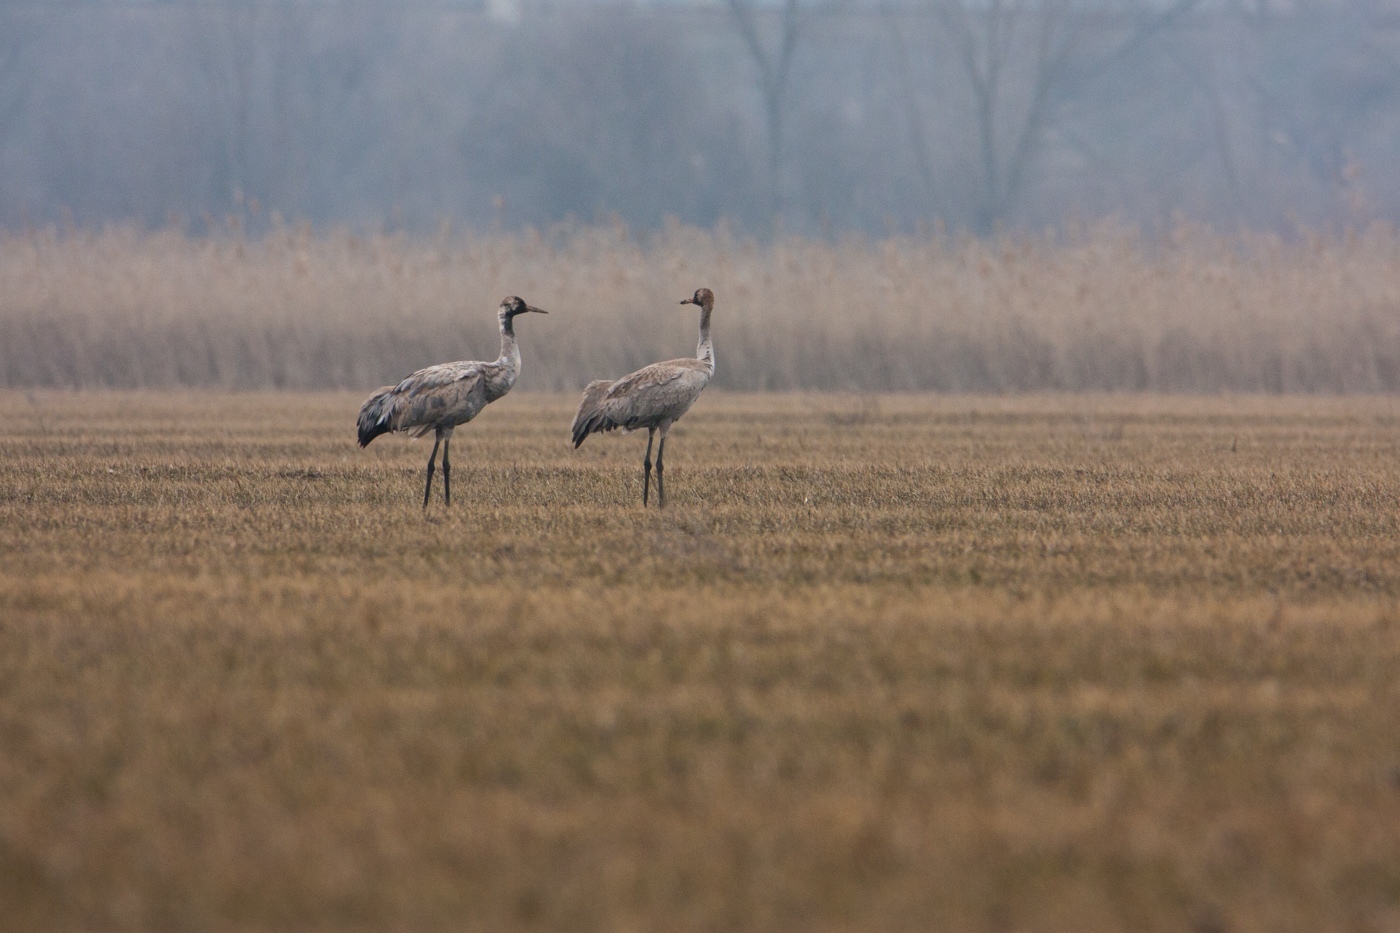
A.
x: 702, y: 297
x: 512, y: 306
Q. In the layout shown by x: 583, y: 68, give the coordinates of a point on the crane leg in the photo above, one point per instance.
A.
x: 660, y: 486
x: 432, y: 460
x: 646, y: 467
x: 446, y: 472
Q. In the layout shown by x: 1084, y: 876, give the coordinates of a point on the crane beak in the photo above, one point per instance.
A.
x: 686, y: 301
x: 536, y: 310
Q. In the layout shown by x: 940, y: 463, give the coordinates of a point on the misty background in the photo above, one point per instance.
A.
x: 815, y: 118
x: 885, y: 195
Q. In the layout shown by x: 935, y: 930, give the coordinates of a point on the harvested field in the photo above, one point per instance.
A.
x: 884, y: 663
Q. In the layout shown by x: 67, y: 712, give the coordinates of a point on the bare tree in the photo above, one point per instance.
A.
x: 252, y: 55
x: 773, y: 59
x: 1021, y: 61
x: 1334, y: 117
x: 18, y: 29
x: 642, y: 148
x: 981, y: 113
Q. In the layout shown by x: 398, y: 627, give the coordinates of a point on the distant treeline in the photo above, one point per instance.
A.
x: 814, y: 118
x: 1103, y: 308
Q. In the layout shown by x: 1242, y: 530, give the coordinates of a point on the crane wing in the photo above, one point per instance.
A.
x: 651, y: 395
x: 644, y: 379
x: 440, y: 376
x: 449, y: 393
x: 654, y: 393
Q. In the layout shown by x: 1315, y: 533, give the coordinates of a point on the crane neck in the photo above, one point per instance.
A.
x: 705, y: 352
x: 510, y: 350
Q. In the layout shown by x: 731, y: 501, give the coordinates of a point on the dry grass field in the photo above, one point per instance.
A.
x: 884, y: 663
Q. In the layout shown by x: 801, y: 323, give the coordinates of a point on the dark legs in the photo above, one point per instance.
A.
x: 442, y: 438
x: 646, y: 467
x: 432, y: 460
x: 660, y: 487
x: 446, y: 471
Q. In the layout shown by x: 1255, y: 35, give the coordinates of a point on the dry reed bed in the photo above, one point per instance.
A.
x: 890, y: 663
x: 1103, y: 308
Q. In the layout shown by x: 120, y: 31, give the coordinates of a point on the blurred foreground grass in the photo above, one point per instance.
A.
x: 884, y: 663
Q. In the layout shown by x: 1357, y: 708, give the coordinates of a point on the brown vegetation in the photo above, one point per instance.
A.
x: 896, y: 662
x: 1102, y: 309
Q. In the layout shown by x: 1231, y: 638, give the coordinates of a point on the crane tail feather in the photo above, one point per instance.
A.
x: 376, y: 416
x: 590, y: 418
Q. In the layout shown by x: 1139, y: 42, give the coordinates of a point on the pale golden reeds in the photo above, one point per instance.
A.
x: 1102, y: 308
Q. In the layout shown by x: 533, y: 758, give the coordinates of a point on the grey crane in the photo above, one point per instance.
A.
x: 441, y: 397
x: 654, y: 397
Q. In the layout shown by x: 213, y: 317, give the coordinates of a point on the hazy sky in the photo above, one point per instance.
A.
x: 412, y: 114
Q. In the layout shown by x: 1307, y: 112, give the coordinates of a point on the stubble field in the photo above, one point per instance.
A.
x: 884, y: 663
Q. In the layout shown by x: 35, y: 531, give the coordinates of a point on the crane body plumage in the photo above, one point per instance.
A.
x: 654, y: 397
x: 440, y: 398
x: 436, y: 397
